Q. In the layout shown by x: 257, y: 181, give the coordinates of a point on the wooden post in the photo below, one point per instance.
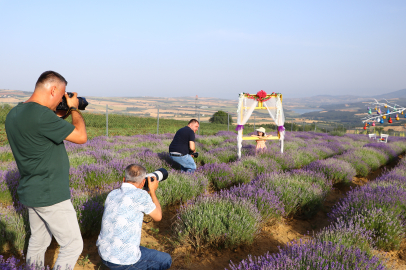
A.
x: 157, y: 123
x: 107, y: 120
x: 228, y: 122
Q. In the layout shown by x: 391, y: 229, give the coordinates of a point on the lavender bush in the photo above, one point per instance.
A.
x: 334, y: 169
x: 266, y: 201
x: 219, y: 174
x: 374, y: 157
x: 354, y: 158
x: 389, y: 149
x: 379, y: 209
x: 312, y: 255
x: 180, y: 187
x: 348, y: 233
x: 207, y: 158
x: 220, y: 221
x: 241, y: 174
x: 89, y: 209
x: 6, y: 154
x: 224, y: 154
x: 259, y: 165
x: 299, y: 190
x: 302, y: 157
x: 14, y: 229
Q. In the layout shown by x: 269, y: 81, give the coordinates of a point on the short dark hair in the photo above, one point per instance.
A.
x: 135, y: 173
x: 50, y: 76
x: 193, y: 121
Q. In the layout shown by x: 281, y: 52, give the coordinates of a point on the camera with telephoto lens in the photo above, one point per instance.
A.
x: 160, y: 175
x: 63, y: 106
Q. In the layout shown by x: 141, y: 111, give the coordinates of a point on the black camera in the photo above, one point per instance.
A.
x: 63, y: 106
x: 160, y: 175
x: 195, y: 154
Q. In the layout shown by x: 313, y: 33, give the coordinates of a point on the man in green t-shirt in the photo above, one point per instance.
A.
x: 36, y: 136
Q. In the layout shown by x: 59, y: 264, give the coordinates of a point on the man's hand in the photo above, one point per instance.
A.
x: 79, y: 134
x: 72, y: 101
x: 152, y: 185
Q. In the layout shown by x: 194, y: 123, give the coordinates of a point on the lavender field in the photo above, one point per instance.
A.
x: 227, y: 201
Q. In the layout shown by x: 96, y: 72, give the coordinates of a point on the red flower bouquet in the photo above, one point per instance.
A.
x: 261, y: 94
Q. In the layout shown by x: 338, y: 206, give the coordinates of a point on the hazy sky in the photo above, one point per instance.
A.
x: 206, y: 48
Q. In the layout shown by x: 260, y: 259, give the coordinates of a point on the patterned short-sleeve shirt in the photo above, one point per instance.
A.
x: 120, y: 235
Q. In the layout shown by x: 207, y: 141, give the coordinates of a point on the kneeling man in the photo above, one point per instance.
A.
x: 183, y: 144
x: 120, y: 235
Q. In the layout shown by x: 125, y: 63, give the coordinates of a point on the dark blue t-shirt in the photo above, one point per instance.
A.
x: 180, y: 142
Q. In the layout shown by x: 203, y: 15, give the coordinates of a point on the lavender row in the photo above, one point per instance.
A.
x: 317, y: 255
x: 98, y: 165
x: 213, y: 220
x: 369, y: 217
x: 358, y: 161
x: 378, y: 207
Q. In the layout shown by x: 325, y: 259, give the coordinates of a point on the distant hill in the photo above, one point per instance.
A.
x: 342, y: 108
x: 316, y: 101
x: 395, y: 94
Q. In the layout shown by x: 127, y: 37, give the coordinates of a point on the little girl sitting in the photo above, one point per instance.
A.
x: 260, y: 134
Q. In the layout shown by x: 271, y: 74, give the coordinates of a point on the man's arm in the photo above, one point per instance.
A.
x: 79, y: 134
x: 156, y: 215
x: 192, y: 146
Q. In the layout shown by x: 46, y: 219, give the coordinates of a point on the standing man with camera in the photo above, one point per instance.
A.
x: 120, y: 236
x: 36, y: 136
x: 183, y: 147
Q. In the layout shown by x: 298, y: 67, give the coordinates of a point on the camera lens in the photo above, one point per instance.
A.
x: 160, y: 175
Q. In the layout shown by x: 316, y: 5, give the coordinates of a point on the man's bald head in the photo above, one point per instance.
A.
x: 135, y: 173
x: 50, y: 77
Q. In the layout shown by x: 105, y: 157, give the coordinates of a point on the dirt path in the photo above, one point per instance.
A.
x: 158, y: 236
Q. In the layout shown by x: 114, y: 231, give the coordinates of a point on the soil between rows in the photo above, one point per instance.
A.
x: 157, y: 235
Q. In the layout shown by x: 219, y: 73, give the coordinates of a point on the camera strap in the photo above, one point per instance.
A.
x: 70, y: 111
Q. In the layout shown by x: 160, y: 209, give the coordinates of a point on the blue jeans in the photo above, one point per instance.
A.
x: 186, y: 162
x: 151, y: 259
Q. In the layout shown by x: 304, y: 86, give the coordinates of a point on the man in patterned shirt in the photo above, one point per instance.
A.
x: 120, y: 235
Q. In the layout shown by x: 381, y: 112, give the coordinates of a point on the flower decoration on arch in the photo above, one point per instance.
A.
x: 261, y: 96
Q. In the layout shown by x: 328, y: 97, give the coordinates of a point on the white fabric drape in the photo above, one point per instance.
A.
x: 247, y: 106
x: 274, y: 106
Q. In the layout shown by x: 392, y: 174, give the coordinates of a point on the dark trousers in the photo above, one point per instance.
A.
x: 151, y: 259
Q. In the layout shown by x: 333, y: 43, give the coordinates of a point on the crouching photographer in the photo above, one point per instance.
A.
x: 183, y: 147
x: 120, y: 235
